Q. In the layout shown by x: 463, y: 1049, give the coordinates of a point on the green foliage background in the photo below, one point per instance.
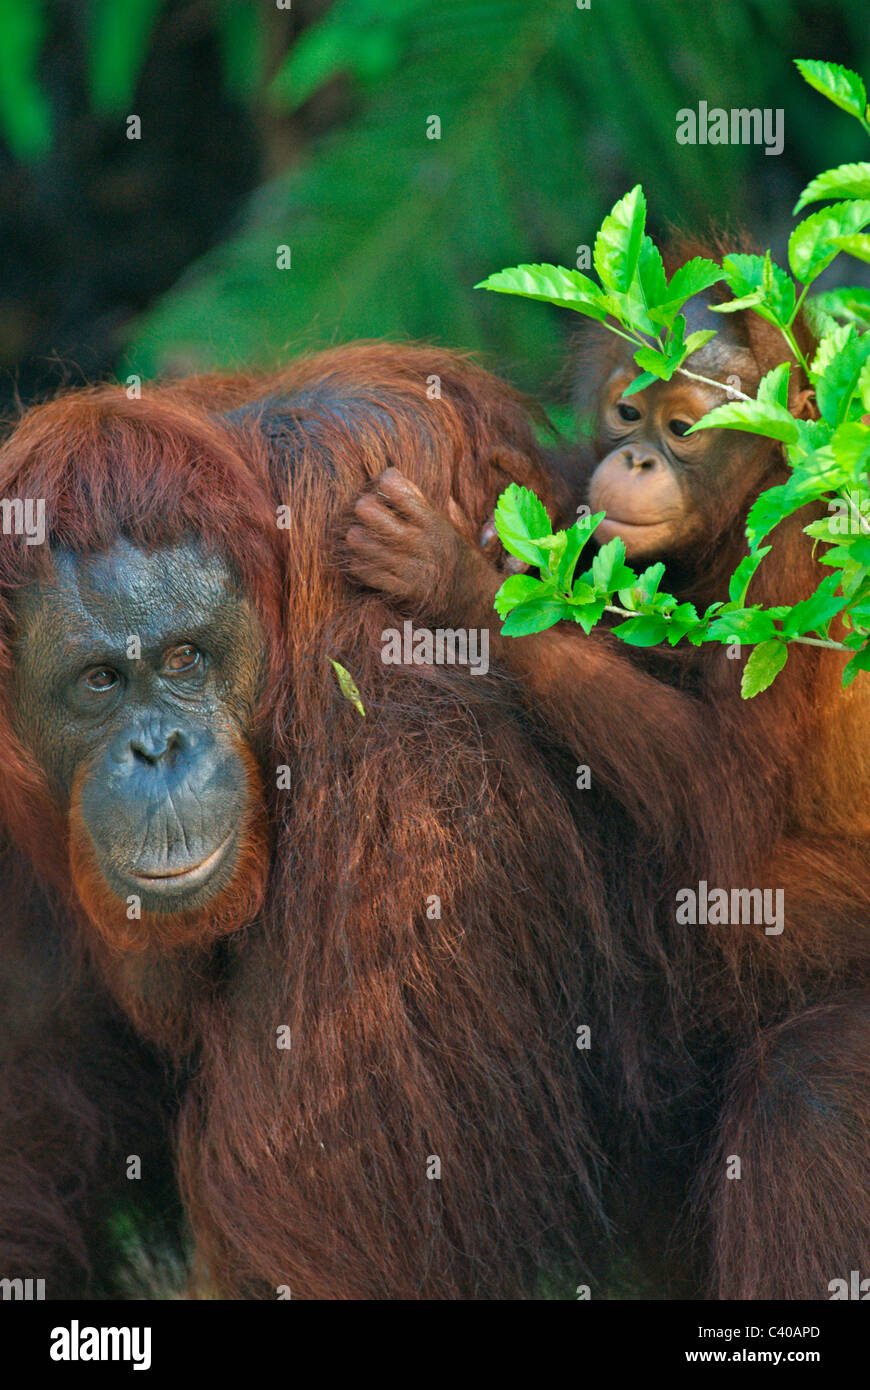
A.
x: 548, y: 112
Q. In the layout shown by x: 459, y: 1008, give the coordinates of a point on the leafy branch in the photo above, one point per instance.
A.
x: 829, y: 457
x: 529, y: 604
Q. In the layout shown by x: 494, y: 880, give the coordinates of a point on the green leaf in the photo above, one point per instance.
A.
x: 554, y: 549
x: 618, y: 243
x: 609, y: 569
x: 852, y: 551
x: 688, y: 280
x: 846, y: 181
x: 773, y: 387
x: 830, y: 346
x: 697, y: 340
x: 121, y: 36
x: 649, y: 282
x: 589, y: 615
x: 640, y: 383
x: 641, y: 589
x: 684, y: 622
x: 650, y: 275
x: 649, y: 580
x: 655, y: 362
x: 849, y: 524
x: 756, y: 417
x: 646, y: 631
x: 814, y: 242
x: 554, y: 284
x: 742, y: 576
x: 819, y: 322
x: 829, y: 529
x: 519, y: 588
x: 770, y: 508
x: 677, y: 631
x: 857, y: 245
x: 859, y: 662
x: 850, y: 304
x: 859, y: 610
x: 647, y: 286
x: 837, y: 380
x: 746, y: 624
x: 736, y: 306
x: 762, y: 668
x: 812, y: 479
x: 521, y: 520
x: 26, y: 118
x: 750, y: 276
x: 676, y: 339
x: 840, y: 85
x: 815, y: 612
x: 813, y: 435
x: 554, y: 545
x: 575, y: 539
x: 536, y: 615
x: 836, y: 527
x: 347, y: 686
x: 347, y: 39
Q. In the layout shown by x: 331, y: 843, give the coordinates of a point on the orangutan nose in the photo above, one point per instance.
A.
x: 641, y: 460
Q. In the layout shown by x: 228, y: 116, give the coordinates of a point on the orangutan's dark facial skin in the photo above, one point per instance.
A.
x: 137, y: 679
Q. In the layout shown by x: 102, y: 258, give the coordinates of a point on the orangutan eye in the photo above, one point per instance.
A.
x: 101, y: 678
x: 182, y: 659
x: 679, y: 427
x: 627, y: 412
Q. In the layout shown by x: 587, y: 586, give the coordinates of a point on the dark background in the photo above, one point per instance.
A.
x: 306, y: 127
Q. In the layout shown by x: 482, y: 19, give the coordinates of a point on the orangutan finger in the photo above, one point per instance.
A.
x: 377, y: 517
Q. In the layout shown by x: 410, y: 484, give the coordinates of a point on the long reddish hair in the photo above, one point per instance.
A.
x: 419, y: 939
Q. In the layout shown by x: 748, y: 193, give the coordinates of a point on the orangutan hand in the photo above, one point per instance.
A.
x: 399, y: 544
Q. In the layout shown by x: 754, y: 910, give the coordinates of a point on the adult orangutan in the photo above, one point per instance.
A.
x: 361, y: 941
x: 747, y: 1040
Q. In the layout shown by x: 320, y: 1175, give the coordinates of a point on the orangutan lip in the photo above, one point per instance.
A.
x: 193, y: 872
x: 624, y: 521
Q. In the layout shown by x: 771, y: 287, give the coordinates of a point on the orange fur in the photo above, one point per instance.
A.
x: 412, y: 1034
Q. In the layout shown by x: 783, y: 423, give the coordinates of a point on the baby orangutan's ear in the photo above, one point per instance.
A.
x: 804, y: 407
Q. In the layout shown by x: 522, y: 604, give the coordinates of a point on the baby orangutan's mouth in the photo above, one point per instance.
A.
x: 617, y: 526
